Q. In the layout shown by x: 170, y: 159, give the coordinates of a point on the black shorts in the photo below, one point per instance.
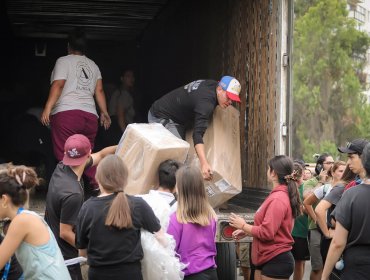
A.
x: 300, y: 249
x: 279, y: 267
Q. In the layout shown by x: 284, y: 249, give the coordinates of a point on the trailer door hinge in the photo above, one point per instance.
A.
x: 285, y: 60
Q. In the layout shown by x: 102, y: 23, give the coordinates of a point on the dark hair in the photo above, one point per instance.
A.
x: 320, y: 161
x: 365, y: 158
x: 77, y: 40
x: 298, y: 170
x: 15, y: 181
x: 300, y: 162
x: 348, y: 175
x: 283, y: 167
x: 111, y: 175
x: 167, y: 173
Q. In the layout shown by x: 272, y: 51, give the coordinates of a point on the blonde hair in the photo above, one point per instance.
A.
x: 193, y: 205
x: 111, y: 175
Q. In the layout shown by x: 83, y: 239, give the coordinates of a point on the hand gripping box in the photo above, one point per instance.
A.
x: 143, y: 147
x: 222, y: 148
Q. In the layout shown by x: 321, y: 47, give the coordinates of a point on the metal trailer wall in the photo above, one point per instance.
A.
x: 208, y: 39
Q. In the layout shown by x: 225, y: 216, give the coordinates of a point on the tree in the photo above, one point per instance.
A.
x: 329, y: 54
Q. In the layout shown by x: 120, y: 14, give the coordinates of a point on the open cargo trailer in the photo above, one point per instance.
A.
x: 184, y: 41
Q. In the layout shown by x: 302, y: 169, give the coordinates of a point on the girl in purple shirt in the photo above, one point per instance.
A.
x: 193, y: 226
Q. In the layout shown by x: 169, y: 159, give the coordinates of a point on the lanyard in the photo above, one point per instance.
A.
x: 7, y: 265
x: 6, y: 271
x: 20, y: 209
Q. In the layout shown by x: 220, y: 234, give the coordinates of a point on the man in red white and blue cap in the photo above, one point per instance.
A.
x: 192, y: 105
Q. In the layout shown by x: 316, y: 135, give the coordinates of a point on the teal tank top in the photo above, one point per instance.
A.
x: 44, y: 261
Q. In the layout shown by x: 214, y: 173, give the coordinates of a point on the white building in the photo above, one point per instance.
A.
x: 360, y: 11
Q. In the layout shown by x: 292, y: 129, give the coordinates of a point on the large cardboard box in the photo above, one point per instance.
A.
x: 222, y: 148
x: 143, y: 147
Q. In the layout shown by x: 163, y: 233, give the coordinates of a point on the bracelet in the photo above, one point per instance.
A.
x: 243, y: 226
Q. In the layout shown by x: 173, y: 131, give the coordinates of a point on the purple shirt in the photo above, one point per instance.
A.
x: 195, y: 244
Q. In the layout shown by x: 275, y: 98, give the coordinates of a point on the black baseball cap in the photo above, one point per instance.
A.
x: 301, y: 162
x: 354, y: 147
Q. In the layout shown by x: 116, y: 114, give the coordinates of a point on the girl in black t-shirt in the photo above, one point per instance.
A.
x: 108, y: 226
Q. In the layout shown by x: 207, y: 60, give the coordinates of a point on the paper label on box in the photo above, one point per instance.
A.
x: 209, y: 191
x: 222, y: 184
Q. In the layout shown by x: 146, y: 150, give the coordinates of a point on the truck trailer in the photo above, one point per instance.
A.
x: 169, y: 43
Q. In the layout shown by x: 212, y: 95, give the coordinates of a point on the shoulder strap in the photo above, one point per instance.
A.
x: 325, y: 190
x: 172, y: 202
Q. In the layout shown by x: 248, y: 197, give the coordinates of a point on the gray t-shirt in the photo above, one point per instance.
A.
x: 80, y: 74
x: 122, y: 98
x: 352, y: 212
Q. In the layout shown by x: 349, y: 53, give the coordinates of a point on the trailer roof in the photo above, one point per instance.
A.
x: 117, y: 20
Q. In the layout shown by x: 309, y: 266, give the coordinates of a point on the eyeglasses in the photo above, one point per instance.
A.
x: 328, y: 162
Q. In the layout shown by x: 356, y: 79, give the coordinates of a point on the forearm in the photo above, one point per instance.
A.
x: 121, y: 117
x: 247, y: 228
x: 101, y: 101
x: 161, y: 237
x: 69, y: 237
x: 321, y: 221
x: 108, y: 151
x: 54, y: 94
x: 310, y: 211
x: 335, y: 251
x: 199, y: 148
x: 82, y: 252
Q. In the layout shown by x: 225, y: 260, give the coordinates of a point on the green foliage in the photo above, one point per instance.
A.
x: 328, y: 54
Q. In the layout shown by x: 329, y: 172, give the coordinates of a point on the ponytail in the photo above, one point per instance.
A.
x: 295, y: 201
x: 111, y: 175
x: 119, y: 214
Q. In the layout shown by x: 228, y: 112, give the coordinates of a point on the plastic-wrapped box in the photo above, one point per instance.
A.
x: 143, y: 147
x: 222, y: 148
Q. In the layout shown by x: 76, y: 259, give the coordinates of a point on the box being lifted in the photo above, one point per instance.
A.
x: 143, y: 147
x: 222, y: 148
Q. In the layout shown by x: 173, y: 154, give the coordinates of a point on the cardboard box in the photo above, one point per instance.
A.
x: 222, y: 148
x: 143, y: 147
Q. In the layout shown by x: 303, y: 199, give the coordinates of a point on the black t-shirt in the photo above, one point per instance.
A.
x: 189, y: 105
x: 15, y: 270
x: 63, y: 203
x: 352, y: 212
x: 108, y: 245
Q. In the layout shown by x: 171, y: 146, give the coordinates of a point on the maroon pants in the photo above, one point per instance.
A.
x: 67, y: 123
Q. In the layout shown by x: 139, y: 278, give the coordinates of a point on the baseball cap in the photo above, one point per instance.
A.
x: 301, y: 162
x: 231, y: 86
x: 76, y: 150
x: 354, y: 147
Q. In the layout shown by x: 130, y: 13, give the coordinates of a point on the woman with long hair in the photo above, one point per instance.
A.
x: 193, y: 225
x: 322, y: 178
x: 28, y: 234
x: 273, y: 223
x: 108, y: 227
x: 335, y: 173
x: 327, y: 205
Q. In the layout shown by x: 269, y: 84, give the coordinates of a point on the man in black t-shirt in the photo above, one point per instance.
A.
x: 352, y: 229
x: 193, y: 105
x: 66, y: 194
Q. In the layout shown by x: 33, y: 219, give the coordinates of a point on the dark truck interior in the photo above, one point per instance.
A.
x: 168, y: 43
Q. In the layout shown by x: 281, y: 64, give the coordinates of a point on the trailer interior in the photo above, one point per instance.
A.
x: 168, y: 43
